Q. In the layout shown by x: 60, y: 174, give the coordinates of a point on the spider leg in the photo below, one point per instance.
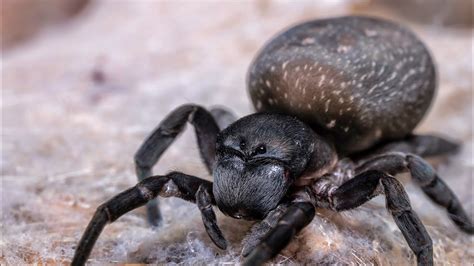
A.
x: 425, y: 176
x: 297, y: 216
x: 204, y: 202
x: 421, y: 145
x: 222, y: 116
x: 171, y: 185
x: 161, y: 138
x: 260, y: 229
x: 367, y: 185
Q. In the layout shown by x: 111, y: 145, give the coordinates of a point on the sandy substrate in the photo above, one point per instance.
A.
x: 78, y: 100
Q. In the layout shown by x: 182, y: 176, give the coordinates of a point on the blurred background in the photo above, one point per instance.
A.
x: 84, y: 81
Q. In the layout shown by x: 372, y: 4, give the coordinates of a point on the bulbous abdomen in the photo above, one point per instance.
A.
x: 359, y: 80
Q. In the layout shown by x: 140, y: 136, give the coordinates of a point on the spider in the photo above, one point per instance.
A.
x: 337, y: 101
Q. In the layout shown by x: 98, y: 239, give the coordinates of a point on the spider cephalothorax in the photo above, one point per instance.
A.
x: 259, y: 157
x: 337, y: 101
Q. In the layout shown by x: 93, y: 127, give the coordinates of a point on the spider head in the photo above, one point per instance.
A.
x: 258, y: 159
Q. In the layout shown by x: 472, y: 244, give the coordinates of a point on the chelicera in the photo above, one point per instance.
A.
x: 337, y: 101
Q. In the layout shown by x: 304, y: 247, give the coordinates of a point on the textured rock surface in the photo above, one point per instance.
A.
x: 77, y: 102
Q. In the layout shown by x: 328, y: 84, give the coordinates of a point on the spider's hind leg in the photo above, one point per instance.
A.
x: 161, y: 137
x: 421, y: 145
x: 222, y: 116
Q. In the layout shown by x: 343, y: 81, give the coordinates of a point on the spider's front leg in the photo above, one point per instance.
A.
x: 260, y: 229
x: 175, y: 184
x: 295, y: 218
x: 425, y: 176
x: 367, y: 185
x: 206, y: 125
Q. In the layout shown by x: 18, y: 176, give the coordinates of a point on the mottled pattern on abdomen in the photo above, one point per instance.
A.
x: 359, y: 80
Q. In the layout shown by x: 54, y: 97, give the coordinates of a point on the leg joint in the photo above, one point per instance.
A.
x: 396, y: 196
x: 103, y: 209
x: 146, y: 193
x: 420, y: 170
x: 424, y: 247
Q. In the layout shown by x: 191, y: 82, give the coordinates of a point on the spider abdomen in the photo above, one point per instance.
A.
x: 358, y: 80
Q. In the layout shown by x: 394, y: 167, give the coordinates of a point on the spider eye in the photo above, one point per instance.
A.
x: 242, y: 144
x: 260, y: 149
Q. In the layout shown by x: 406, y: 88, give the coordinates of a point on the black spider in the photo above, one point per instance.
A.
x: 349, y: 87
